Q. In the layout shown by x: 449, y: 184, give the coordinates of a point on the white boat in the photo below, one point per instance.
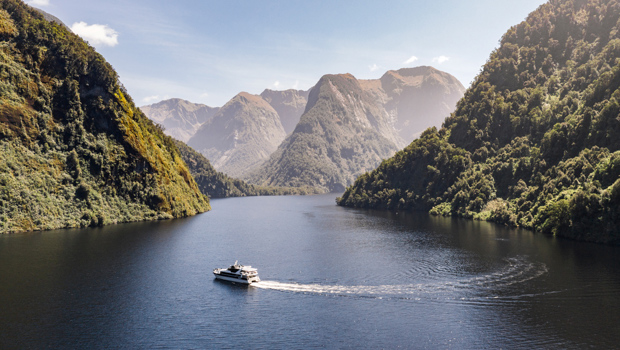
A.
x: 238, y: 274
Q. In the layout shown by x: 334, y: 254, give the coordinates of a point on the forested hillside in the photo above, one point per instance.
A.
x: 341, y: 134
x: 219, y: 185
x: 74, y: 149
x: 534, y: 143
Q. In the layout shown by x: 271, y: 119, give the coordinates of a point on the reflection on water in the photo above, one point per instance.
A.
x: 331, y: 277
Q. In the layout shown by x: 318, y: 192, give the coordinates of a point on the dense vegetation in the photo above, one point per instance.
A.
x: 219, y: 185
x: 74, y: 150
x: 534, y: 143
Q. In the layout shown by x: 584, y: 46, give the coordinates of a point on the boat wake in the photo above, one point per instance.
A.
x: 517, y: 270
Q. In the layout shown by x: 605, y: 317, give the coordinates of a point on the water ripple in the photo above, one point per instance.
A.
x: 517, y: 270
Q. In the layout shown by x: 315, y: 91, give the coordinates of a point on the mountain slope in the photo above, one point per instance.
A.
x: 350, y: 125
x: 534, y: 142
x: 417, y: 98
x: 240, y: 136
x: 180, y: 118
x: 289, y: 104
x: 74, y: 150
x: 341, y: 134
x: 219, y: 185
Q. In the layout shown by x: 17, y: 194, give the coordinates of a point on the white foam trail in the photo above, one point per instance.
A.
x: 517, y: 271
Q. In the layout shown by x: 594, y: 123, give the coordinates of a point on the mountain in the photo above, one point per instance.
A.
x: 219, y: 185
x: 240, y: 136
x: 341, y: 134
x: 74, y: 149
x: 350, y: 125
x: 289, y: 104
x: 535, y: 140
x: 51, y: 18
x: 417, y: 98
x: 180, y: 118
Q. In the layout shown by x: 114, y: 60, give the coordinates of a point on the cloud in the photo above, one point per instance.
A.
x: 441, y: 59
x: 150, y: 99
x: 374, y: 67
x: 276, y: 84
x: 38, y: 2
x: 204, y: 95
x: 95, y: 34
x: 296, y: 85
x: 410, y: 60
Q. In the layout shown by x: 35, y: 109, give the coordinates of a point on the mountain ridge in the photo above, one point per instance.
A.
x: 345, y: 130
x: 240, y: 136
x: 180, y: 118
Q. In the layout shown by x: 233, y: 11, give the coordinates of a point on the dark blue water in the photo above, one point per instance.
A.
x: 332, y: 278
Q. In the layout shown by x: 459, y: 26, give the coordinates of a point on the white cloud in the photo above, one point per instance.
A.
x: 150, y: 99
x: 374, y: 67
x: 96, y: 34
x: 296, y: 85
x: 38, y: 2
x: 204, y: 95
x: 441, y: 59
x: 410, y: 60
x: 276, y: 84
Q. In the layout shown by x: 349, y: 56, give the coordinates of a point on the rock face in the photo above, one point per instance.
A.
x: 534, y: 141
x: 290, y: 105
x: 240, y: 136
x: 350, y: 125
x: 180, y: 118
x: 74, y: 149
x: 416, y: 98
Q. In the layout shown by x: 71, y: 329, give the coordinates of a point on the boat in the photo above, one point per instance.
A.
x: 238, y: 274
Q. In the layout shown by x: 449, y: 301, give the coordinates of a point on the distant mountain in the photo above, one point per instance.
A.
x: 350, y: 125
x: 342, y: 134
x: 52, y: 18
x: 240, y: 136
x: 535, y: 140
x: 180, y: 118
x: 290, y: 105
x: 417, y: 98
x: 216, y: 184
x: 74, y: 149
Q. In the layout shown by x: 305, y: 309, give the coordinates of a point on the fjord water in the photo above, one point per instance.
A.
x: 332, y: 277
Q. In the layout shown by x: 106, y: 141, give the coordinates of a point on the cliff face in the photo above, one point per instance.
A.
x: 240, y: 136
x: 180, y: 118
x: 533, y: 143
x: 74, y: 150
x: 290, y: 105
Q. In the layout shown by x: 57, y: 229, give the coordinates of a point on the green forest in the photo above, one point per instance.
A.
x: 74, y: 149
x: 534, y: 143
x: 219, y: 185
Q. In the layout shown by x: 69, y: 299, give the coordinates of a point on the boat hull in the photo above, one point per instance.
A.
x: 234, y: 280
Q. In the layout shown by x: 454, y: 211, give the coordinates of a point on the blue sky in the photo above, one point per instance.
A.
x: 206, y: 51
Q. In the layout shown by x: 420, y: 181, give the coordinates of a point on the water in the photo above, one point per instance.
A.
x: 332, y: 278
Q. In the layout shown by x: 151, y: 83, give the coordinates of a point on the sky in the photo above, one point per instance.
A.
x: 207, y: 51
